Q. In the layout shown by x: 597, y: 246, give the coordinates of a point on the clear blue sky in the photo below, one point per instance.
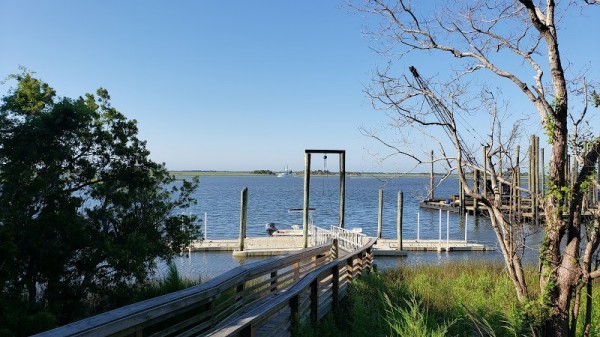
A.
x: 217, y: 85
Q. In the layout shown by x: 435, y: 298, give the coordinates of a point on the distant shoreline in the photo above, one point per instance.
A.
x: 194, y: 173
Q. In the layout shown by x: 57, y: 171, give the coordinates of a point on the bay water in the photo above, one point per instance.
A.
x: 270, y: 198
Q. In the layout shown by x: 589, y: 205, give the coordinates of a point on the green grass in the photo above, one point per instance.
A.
x: 456, y: 299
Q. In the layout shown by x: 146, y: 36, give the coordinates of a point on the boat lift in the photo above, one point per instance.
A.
x: 306, y: 206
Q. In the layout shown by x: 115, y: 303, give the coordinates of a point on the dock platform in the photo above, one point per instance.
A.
x: 276, y: 245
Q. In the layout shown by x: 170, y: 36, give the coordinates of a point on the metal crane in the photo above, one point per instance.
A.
x: 442, y: 113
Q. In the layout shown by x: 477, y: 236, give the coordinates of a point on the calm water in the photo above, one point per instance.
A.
x: 271, y: 197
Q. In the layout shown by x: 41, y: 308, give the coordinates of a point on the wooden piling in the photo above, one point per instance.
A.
x: 461, y: 196
x: 537, y: 177
x: 518, y: 185
x: 475, y: 190
x: 380, y: 215
x: 543, y: 171
x: 399, y: 222
x: 342, y: 156
x: 243, y: 217
x: 305, y: 214
x: 432, y: 180
x: 485, y: 165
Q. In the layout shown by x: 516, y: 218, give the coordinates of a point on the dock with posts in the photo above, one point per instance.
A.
x: 521, y: 193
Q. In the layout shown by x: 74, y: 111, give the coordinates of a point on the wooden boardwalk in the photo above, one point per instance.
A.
x: 265, y: 298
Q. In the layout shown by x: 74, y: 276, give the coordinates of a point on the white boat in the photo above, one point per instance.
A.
x: 286, y: 173
x: 274, y: 229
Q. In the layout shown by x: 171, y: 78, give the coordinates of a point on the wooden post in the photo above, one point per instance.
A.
x: 530, y: 175
x: 248, y: 331
x: 485, y: 165
x: 243, y: 216
x: 342, y: 187
x: 294, y: 310
x: 380, y: 215
x: 535, y: 178
x: 274, y: 280
x: 543, y: 170
x: 305, y: 210
x: 314, y: 301
x: 432, y: 180
x: 350, y: 268
x: 517, y: 191
x: 400, y: 214
x: 475, y: 190
x: 335, y: 287
x: 334, y: 249
x: 461, y: 193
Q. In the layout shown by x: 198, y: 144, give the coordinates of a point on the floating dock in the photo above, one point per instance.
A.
x: 276, y: 245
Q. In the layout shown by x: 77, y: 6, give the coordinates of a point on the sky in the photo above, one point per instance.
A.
x: 239, y: 86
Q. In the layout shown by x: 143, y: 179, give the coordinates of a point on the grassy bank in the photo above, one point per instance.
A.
x: 455, y: 299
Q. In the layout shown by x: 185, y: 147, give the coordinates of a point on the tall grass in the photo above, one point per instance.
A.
x: 456, y: 299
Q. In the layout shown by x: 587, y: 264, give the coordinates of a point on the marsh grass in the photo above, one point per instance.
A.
x: 455, y: 299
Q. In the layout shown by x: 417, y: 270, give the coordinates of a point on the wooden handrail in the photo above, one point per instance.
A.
x: 196, y: 307
x: 325, y: 293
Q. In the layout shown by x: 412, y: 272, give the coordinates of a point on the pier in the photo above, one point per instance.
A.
x: 272, y: 246
x: 521, y: 192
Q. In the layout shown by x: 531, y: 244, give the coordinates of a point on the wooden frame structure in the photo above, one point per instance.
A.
x: 305, y: 209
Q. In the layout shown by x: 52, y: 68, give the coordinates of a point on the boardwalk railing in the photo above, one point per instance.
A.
x: 306, y: 301
x: 201, y: 308
x: 348, y: 240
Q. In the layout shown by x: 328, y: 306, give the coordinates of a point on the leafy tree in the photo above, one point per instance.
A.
x: 484, y: 43
x: 83, y: 209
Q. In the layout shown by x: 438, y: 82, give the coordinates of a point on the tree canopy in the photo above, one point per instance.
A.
x: 83, y: 209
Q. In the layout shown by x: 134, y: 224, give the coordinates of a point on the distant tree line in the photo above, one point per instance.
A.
x: 264, y: 172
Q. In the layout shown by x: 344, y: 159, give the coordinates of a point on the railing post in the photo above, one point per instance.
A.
x: 335, y: 285
x: 240, y: 288
x: 248, y: 331
x: 296, y: 270
x: 350, y: 268
x: 314, y: 301
x: 334, y: 249
x: 294, y: 311
x: 243, y: 217
x: 370, y: 258
x: 273, y: 280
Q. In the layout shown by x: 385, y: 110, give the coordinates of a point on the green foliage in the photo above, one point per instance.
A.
x: 412, y: 320
x: 138, y: 292
x: 422, y: 299
x: 263, y: 172
x: 83, y: 209
x: 596, y: 99
x: 527, y: 318
x: 549, y: 128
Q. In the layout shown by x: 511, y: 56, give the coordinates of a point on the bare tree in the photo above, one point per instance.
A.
x: 516, y: 41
